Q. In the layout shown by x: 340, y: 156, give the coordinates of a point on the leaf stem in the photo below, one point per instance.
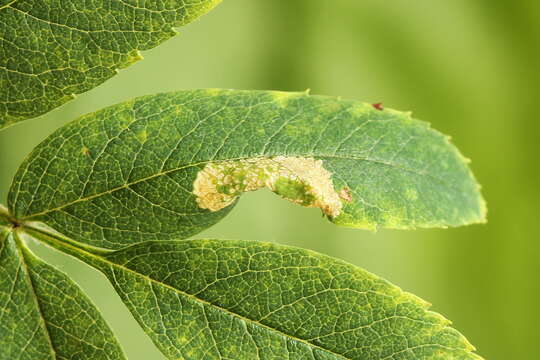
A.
x: 3, y: 210
x: 66, y: 245
x: 6, y: 216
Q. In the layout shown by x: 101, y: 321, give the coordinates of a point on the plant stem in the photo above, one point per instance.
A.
x: 3, y: 211
x: 66, y: 245
x: 6, y: 218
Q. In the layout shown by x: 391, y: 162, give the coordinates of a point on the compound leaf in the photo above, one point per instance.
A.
x: 52, y: 50
x: 170, y: 165
x: 221, y: 299
x: 43, y: 314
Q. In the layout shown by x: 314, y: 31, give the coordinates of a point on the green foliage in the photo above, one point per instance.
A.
x: 126, y: 174
x: 44, y: 315
x: 52, y: 50
x: 114, y: 187
x: 224, y: 299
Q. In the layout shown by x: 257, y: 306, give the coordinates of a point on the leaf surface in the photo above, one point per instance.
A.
x: 219, y: 299
x: 43, y: 314
x: 52, y: 50
x: 170, y: 165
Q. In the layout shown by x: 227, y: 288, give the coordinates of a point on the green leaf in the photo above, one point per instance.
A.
x: 52, y: 50
x: 43, y: 314
x: 168, y: 166
x: 220, y: 299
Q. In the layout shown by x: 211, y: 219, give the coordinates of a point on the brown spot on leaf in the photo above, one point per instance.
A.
x: 378, y: 106
x: 345, y: 194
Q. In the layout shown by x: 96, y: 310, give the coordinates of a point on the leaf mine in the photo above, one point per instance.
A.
x: 171, y: 165
x: 303, y: 181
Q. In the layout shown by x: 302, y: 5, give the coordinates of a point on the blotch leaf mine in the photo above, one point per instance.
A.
x: 168, y: 166
x: 301, y: 180
x: 221, y: 299
x: 52, y: 50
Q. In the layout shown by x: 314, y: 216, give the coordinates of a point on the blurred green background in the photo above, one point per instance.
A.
x: 471, y: 68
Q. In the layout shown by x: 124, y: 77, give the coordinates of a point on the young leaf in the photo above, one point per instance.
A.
x: 218, y: 299
x: 170, y: 165
x: 52, y: 50
x: 43, y: 314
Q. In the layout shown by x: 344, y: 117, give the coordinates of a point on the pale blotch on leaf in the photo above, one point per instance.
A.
x: 142, y: 136
x: 282, y: 98
x: 345, y: 194
x: 301, y: 180
x: 411, y: 194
